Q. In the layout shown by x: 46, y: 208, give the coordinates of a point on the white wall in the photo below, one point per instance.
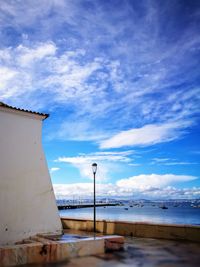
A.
x: 27, y: 201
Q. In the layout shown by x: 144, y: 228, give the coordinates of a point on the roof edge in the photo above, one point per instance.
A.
x: 45, y: 115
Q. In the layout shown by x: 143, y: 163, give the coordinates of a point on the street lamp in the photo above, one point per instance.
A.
x: 94, y: 170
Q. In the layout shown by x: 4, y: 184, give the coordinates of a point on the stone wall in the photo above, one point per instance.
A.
x: 137, y: 229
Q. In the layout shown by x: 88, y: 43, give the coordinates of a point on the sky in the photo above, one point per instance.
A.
x: 121, y: 82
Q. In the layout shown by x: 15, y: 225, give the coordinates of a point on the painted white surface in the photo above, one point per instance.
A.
x: 27, y: 201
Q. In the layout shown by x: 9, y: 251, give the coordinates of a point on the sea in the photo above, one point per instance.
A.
x: 182, y: 213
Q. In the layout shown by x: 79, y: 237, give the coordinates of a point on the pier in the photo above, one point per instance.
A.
x: 80, y: 206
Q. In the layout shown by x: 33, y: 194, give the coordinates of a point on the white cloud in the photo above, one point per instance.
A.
x: 180, y: 163
x: 160, y: 160
x: 152, y: 186
x: 54, y: 169
x: 83, y: 164
x: 6, y: 75
x: 106, y: 161
x: 146, y: 181
x: 82, y: 190
x: 21, y: 69
x: 170, y: 162
x: 13, y: 83
x: 66, y: 76
x: 147, y: 135
x: 134, y: 164
x: 121, y: 156
x: 172, y: 193
x: 27, y: 56
x: 83, y: 131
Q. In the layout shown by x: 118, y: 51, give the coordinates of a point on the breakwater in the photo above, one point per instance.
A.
x: 79, y: 206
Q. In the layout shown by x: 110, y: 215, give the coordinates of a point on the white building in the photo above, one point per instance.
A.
x: 27, y: 201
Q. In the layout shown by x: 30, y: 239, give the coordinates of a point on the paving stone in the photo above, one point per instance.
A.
x: 141, y: 252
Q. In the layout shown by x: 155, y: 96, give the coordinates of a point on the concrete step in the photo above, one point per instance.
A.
x: 56, y: 248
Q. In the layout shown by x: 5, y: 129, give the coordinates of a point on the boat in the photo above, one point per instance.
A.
x: 195, y: 206
x: 126, y: 208
x: 163, y: 207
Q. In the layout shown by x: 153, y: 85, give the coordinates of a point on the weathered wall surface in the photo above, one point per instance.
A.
x: 137, y: 229
x: 27, y: 201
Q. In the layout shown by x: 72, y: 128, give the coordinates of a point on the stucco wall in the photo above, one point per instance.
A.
x: 27, y: 201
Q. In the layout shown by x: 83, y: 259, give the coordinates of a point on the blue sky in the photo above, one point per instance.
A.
x: 121, y: 81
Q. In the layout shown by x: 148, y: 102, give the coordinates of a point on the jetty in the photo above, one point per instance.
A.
x: 87, y: 205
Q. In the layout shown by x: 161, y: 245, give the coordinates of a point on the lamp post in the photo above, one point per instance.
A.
x: 94, y: 170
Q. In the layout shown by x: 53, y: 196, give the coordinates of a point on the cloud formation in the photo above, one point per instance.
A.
x: 106, y: 161
x: 146, y: 136
x: 146, y: 182
x: 151, y: 186
x: 82, y: 58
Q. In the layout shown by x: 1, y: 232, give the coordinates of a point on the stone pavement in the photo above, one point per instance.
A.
x: 56, y: 248
x: 141, y: 252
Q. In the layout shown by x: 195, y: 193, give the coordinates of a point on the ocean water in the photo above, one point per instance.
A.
x: 183, y: 214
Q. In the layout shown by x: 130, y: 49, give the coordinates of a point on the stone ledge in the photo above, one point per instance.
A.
x: 40, y: 249
x: 137, y: 229
x: 114, y: 243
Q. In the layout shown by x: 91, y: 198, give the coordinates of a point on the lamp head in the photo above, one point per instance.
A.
x: 94, y: 168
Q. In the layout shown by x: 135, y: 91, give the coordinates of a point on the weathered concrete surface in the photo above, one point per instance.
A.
x: 136, y: 229
x: 141, y: 252
x: 54, y: 249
